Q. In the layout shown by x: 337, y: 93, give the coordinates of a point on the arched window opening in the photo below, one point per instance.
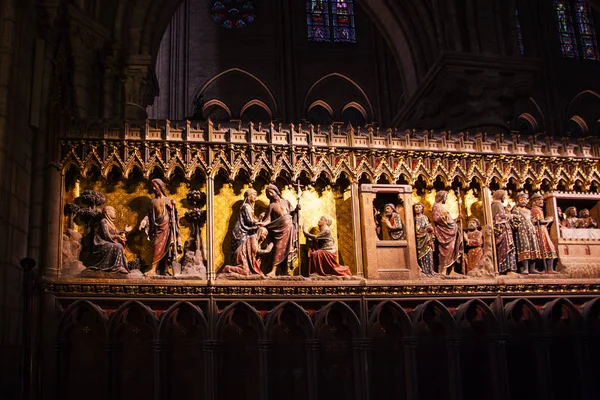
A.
x: 352, y: 115
x: 587, y: 34
x: 331, y: 21
x: 319, y: 115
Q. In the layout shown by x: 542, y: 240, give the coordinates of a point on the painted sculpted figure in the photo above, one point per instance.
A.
x: 503, y: 235
x: 425, y: 239
x: 447, y: 233
x: 162, y: 227
x: 323, y: 255
x: 473, y: 244
x: 526, y: 240
x: 585, y: 221
x: 541, y: 227
x: 392, y: 227
x: 283, y: 229
x: 247, y: 223
x: 109, y: 243
x: 247, y: 256
x: 571, y: 219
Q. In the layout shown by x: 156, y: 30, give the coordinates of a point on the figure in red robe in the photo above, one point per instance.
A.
x: 323, y: 258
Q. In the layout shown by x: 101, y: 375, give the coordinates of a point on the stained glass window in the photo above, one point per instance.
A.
x: 566, y: 33
x: 520, y: 34
x: 317, y: 19
x: 342, y: 12
x: 330, y: 20
x: 233, y: 14
x: 577, y: 40
x: 585, y: 27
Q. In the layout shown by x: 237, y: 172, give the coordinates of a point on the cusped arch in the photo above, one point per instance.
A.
x: 349, y: 318
x: 243, y: 72
x: 347, y: 79
x: 70, y: 315
x: 401, y: 318
x: 561, y: 305
x: 420, y: 316
x: 516, y: 307
x: 172, y: 311
x: 255, y: 321
x: 258, y: 103
x: 302, y: 317
x: 483, y: 313
x: 119, y: 318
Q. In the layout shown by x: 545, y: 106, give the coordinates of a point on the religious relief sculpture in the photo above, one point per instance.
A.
x: 282, y: 225
x: 548, y: 251
x: 193, y: 262
x: 109, y: 242
x: 425, y: 240
x: 248, y: 256
x: 526, y: 240
x: 585, y: 221
x: 247, y: 223
x: 323, y: 254
x: 571, y: 219
x: 162, y: 227
x: 473, y: 240
x: 392, y: 227
x: 503, y: 235
x: 447, y: 233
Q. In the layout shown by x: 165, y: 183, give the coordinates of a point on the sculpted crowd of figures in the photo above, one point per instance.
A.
x: 266, y: 245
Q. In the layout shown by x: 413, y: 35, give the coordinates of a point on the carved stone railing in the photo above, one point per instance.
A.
x: 364, y: 153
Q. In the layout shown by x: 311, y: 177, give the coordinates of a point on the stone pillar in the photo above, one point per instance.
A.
x: 158, y: 347
x: 312, y: 360
x: 27, y: 327
x: 51, y: 265
x: 210, y: 227
x: 500, y: 381
x: 111, y: 347
x: 542, y: 343
x: 264, y: 349
x: 455, y: 380
x: 488, y: 220
x: 356, y: 225
x: 61, y: 352
x: 361, y: 347
x: 210, y: 348
x: 409, y: 345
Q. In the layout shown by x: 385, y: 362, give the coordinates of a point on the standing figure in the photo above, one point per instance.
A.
x: 109, y: 252
x: 473, y: 244
x: 541, y: 227
x: 528, y: 245
x: 425, y: 239
x: 162, y: 227
x: 392, y: 227
x: 323, y: 257
x: 246, y: 259
x: 503, y: 235
x: 571, y: 219
x: 247, y: 223
x: 282, y: 233
x: 447, y: 234
x: 585, y: 221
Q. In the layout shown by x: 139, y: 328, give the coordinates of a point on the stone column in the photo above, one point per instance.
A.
x: 53, y: 195
x: 210, y: 348
x: 210, y: 227
x: 111, y: 347
x: 61, y: 351
x: 500, y: 382
x: 542, y: 343
x: 312, y: 358
x: 361, y: 347
x: 356, y: 224
x: 264, y: 350
x: 409, y: 345
x: 455, y: 380
x: 158, y: 347
x: 27, y: 264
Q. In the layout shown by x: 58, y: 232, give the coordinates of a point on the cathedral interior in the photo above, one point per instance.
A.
x: 299, y: 199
